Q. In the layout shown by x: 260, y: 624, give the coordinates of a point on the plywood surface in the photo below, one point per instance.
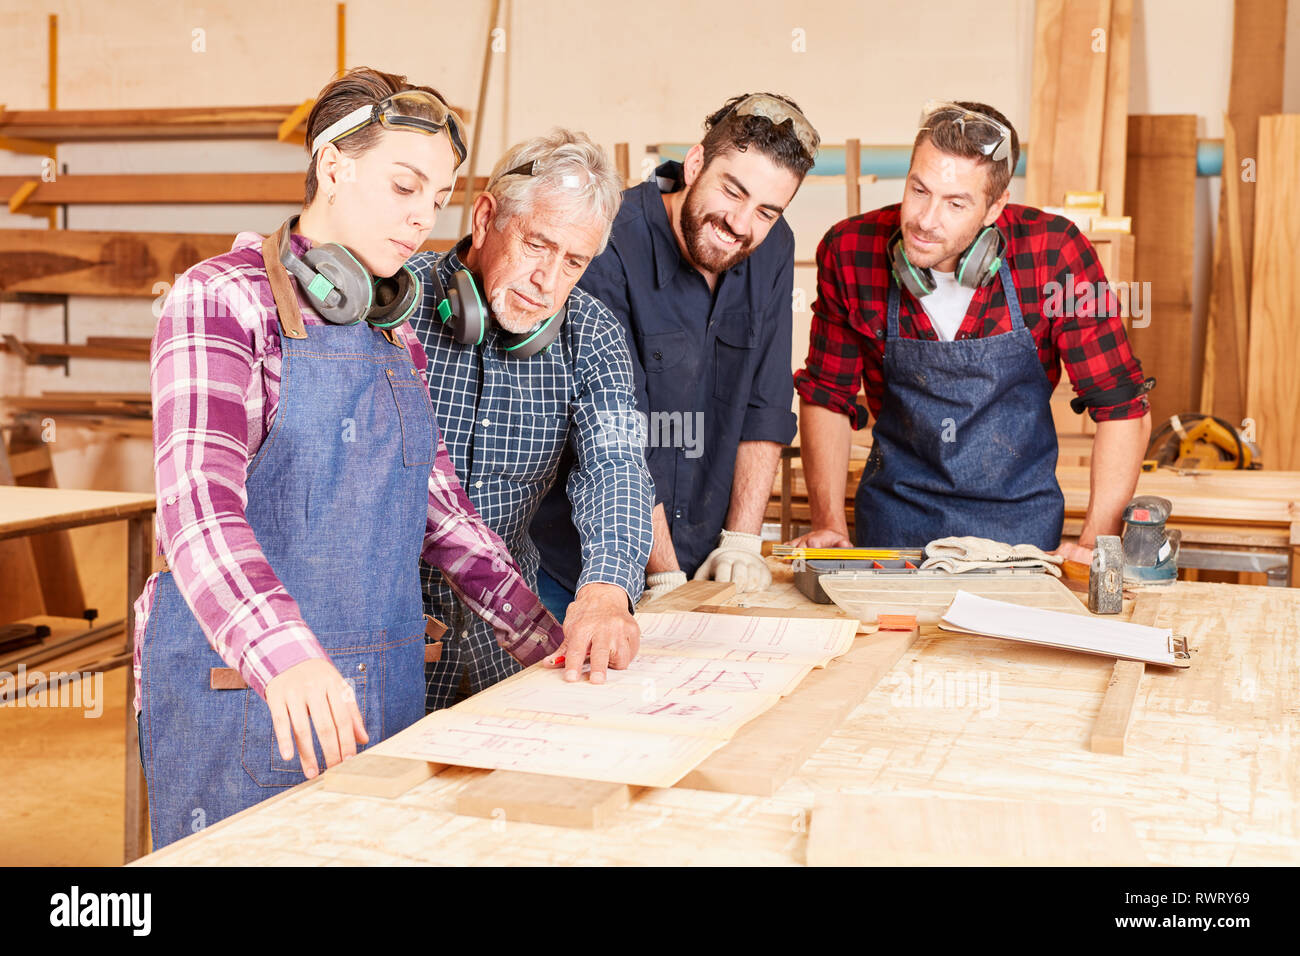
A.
x: 1211, y: 775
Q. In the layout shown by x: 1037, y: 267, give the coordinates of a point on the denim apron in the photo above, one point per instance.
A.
x: 338, y: 498
x: 964, y: 443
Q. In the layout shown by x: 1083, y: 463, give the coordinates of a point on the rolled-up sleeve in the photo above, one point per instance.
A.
x: 833, y: 370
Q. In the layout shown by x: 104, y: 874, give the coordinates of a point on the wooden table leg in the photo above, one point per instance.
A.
x: 139, y: 561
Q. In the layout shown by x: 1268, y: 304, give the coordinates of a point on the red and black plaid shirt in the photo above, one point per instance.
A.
x: 848, y: 326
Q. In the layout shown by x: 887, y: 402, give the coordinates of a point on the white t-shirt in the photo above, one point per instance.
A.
x: 946, y: 305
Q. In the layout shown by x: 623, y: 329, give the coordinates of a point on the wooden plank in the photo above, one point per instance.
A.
x: 174, y: 188
x: 1273, y: 387
x: 861, y: 829
x: 1114, y: 133
x: 1160, y: 195
x: 852, y: 170
x: 1258, y: 67
x: 513, y: 797
x: 690, y: 595
x: 86, y: 262
x: 770, y: 749
x: 1081, y: 103
x: 375, y: 775
x: 1111, y: 726
x: 173, y: 123
x: 1048, y: 18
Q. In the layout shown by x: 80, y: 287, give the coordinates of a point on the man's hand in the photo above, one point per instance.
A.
x: 598, y: 624
x: 822, y: 538
x: 737, y: 558
x: 314, y: 693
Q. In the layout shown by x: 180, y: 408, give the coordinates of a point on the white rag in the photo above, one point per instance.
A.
x: 968, y: 553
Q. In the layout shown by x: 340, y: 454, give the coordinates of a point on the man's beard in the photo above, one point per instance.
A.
x: 708, y: 257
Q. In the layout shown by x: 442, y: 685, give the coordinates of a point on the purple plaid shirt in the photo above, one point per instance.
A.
x: 215, y: 381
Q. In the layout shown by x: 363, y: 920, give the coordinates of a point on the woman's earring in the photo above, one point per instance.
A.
x: 332, y: 199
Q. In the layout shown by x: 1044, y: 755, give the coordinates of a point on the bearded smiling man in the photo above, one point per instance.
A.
x: 700, y: 271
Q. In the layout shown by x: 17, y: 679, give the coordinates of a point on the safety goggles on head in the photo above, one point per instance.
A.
x: 778, y: 111
x: 982, y: 131
x: 401, y: 111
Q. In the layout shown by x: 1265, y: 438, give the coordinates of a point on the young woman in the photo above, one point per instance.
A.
x: 301, y: 476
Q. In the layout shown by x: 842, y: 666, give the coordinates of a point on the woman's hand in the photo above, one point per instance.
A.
x: 309, y: 694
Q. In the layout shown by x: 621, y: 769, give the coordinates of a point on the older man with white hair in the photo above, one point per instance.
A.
x: 522, y: 363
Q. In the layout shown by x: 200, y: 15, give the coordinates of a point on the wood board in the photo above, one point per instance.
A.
x: 1255, y: 90
x: 1116, y: 713
x: 1161, y: 197
x: 105, y: 263
x: 927, y: 595
x: 1273, y: 387
x: 853, y: 829
x: 512, y: 797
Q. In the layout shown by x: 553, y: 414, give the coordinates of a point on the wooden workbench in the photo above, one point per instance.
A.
x: 26, y: 511
x: 1211, y: 775
x: 1242, y: 511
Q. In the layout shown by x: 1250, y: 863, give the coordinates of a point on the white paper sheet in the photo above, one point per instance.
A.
x: 1094, y: 635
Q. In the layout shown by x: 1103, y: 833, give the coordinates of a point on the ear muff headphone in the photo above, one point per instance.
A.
x: 343, y: 291
x: 976, y: 267
x: 461, y: 309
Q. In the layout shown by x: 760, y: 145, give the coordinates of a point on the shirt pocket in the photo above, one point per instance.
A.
x: 662, y: 351
x: 415, y: 415
x: 734, y: 356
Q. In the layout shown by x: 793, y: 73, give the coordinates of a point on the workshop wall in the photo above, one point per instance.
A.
x: 624, y: 72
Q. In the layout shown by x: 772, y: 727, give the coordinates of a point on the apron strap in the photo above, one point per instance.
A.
x: 286, y: 302
x: 1012, y: 297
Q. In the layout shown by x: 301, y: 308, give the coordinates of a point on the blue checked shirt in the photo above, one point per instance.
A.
x: 506, y: 422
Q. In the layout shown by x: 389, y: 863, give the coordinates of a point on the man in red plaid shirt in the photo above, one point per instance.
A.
x: 955, y: 310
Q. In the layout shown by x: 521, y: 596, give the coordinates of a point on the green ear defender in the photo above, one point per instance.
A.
x: 343, y: 291
x: 461, y: 309
x: 977, y: 266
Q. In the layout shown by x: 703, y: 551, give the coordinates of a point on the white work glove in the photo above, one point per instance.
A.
x: 661, y: 582
x: 737, y: 558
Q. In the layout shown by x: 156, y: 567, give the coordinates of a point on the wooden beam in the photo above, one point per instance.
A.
x: 1111, y: 727
x: 1114, y: 133
x: 84, y: 262
x: 482, y: 105
x: 1048, y: 17
x: 1161, y: 198
x: 1258, y: 67
x: 168, y: 189
x: 852, y: 170
x: 513, y: 797
x: 771, y: 748
x: 376, y: 775
x: 1272, y: 382
x: 1081, y: 103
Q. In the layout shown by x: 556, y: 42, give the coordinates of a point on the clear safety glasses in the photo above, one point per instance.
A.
x: 401, y: 111
x: 982, y: 131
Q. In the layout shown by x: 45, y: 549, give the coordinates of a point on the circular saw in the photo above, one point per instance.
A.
x: 1194, y: 442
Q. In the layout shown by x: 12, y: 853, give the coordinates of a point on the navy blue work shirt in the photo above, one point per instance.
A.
x: 711, y: 370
